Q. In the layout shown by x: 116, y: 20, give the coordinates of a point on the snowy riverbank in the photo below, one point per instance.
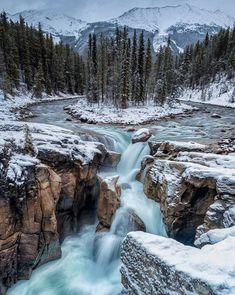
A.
x: 134, y: 115
x: 220, y: 93
x: 11, y: 108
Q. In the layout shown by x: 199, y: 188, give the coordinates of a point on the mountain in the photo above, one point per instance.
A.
x: 184, y: 24
x: 59, y: 25
x: 160, y: 19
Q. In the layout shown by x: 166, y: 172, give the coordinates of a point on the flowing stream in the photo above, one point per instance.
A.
x: 90, y: 262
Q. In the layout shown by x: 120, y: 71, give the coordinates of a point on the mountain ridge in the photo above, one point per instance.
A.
x: 184, y: 24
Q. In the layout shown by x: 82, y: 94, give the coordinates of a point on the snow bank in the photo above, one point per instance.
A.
x: 215, y: 236
x: 9, y: 108
x: 102, y: 113
x: 218, y: 93
x: 158, y: 265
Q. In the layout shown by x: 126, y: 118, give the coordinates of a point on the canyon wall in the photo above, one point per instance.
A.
x: 47, y: 176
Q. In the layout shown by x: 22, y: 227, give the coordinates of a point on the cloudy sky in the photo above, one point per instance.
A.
x: 94, y: 10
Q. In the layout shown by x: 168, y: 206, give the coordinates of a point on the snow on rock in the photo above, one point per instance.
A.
x: 207, y: 159
x: 17, y: 167
x: 215, y: 236
x: 48, y: 176
x: 51, y: 141
x: 142, y: 135
x: 195, y: 189
x: 158, y: 265
x: 221, y: 92
x: 102, y: 113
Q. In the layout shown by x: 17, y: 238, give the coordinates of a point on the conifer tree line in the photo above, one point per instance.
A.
x: 203, y: 62
x: 119, y: 69
x: 124, y: 71
x: 29, y: 57
x: 197, y: 66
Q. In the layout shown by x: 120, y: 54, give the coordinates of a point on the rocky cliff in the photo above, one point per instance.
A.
x: 47, y: 177
x: 195, y: 188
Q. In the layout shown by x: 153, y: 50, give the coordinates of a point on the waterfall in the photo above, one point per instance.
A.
x: 90, y: 262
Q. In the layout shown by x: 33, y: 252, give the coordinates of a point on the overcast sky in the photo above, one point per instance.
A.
x: 94, y: 10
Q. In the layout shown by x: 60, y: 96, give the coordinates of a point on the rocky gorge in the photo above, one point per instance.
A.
x: 48, y: 176
x: 194, y: 186
x: 177, y: 194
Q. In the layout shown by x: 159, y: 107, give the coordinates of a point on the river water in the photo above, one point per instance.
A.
x: 90, y: 262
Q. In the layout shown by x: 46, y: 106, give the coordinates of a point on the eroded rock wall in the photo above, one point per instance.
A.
x: 47, y: 176
x: 195, y: 188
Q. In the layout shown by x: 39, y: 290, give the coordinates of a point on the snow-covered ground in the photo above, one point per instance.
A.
x: 217, y: 93
x: 134, y: 115
x: 10, y: 107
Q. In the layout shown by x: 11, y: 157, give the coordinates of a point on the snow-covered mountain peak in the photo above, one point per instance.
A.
x: 161, y: 18
x: 58, y: 24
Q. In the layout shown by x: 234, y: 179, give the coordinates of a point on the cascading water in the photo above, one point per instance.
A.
x: 90, y: 262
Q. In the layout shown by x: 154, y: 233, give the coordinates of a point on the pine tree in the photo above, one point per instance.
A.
x: 28, y: 147
x: 125, y: 76
x: 148, y: 67
x: 140, y: 70
x: 39, y: 82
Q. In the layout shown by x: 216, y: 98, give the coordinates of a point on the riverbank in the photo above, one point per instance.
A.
x: 220, y: 93
x: 16, y: 107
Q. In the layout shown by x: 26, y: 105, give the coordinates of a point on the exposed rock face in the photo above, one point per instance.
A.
x: 141, y: 135
x: 195, y: 190
x: 157, y: 265
x: 112, y: 159
x: 47, y: 176
x: 109, y: 201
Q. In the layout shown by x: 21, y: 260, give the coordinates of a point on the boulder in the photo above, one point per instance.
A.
x: 216, y: 116
x: 141, y: 135
x: 109, y: 201
x: 127, y: 221
x: 111, y: 160
x: 155, y: 265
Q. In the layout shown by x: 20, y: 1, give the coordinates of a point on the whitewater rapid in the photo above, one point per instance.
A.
x: 90, y: 262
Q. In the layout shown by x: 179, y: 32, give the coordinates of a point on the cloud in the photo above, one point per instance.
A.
x: 94, y: 10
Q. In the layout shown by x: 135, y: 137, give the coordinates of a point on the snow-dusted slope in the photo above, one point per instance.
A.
x: 52, y: 22
x: 152, y: 19
x: 184, y: 24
